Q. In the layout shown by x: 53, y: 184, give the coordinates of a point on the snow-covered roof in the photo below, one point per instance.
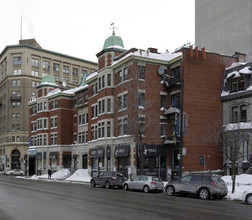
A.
x: 92, y: 75
x: 245, y: 70
x: 235, y: 64
x: 147, y: 54
x: 234, y: 74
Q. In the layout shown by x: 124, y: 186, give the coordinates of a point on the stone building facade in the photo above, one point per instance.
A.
x: 21, y: 68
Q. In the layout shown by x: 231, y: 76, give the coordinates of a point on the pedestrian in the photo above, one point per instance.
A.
x: 49, y: 173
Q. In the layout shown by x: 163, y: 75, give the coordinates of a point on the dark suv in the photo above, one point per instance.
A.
x: 203, y: 185
x: 108, y: 179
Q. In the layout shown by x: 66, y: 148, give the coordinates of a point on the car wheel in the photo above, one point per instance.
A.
x: 21, y: 174
x: 126, y: 187
x: 170, y: 190
x: 107, y: 185
x: 249, y: 199
x: 11, y: 174
x: 146, y: 189
x: 93, y: 183
x: 204, y: 193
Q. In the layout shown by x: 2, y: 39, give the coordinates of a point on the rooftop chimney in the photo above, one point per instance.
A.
x: 153, y: 50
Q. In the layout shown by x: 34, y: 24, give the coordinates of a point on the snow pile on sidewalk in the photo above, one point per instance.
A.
x: 243, y: 182
x: 80, y: 175
x: 61, y: 174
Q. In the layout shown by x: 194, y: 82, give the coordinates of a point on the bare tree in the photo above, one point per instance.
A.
x: 230, y: 139
x: 141, y: 118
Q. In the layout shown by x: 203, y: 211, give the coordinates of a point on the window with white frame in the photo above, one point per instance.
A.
x: 94, y: 132
x: 35, y: 62
x: 54, y: 122
x: 108, y: 128
x: 141, y: 72
x: 141, y: 101
x: 109, y: 80
x: 122, y: 101
x: 108, y: 105
x: 56, y: 67
x: 54, y: 138
x: 163, y: 127
x: 17, y: 60
x: 65, y: 69
x: 45, y: 65
x: 75, y: 71
x: 122, y: 126
x: 17, y: 72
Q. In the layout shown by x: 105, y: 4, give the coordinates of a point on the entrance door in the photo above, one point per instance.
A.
x: 85, y: 161
x: 32, y: 164
x: 122, y: 165
x: 15, y: 159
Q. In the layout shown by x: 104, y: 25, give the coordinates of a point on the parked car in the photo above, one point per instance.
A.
x: 16, y: 172
x: 205, y: 186
x: 144, y: 183
x: 247, y: 196
x: 108, y: 179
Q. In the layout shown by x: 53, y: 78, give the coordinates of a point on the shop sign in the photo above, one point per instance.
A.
x: 32, y: 152
x: 53, y: 155
x: 97, y: 152
x: 122, y: 150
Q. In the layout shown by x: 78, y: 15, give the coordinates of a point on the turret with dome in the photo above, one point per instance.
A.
x: 113, y: 42
x: 113, y: 47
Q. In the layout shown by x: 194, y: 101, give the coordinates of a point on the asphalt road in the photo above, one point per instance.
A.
x: 22, y: 199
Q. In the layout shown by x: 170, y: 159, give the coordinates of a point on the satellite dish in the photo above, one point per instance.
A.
x: 161, y: 71
x: 64, y: 84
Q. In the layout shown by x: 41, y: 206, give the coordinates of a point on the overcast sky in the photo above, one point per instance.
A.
x: 80, y: 27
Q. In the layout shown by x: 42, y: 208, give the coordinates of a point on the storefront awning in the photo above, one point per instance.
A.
x: 96, y: 152
x: 154, y: 150
x: 171, y: 110
x: 122, y: 150
x: 53, y: 155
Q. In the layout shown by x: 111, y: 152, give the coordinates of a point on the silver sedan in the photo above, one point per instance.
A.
x: 144, y: 183
x: 16, y: 172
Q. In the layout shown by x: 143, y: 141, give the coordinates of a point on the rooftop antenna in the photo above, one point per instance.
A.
x: 21, y: 29
x: 113, y: 27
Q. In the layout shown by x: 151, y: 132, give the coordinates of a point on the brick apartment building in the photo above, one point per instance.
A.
x: 21, y: 68
x: 97, y: 125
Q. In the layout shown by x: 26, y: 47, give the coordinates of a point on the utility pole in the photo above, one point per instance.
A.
x: 181, y: 123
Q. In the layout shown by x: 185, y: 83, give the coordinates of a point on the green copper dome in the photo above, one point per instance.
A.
x: 113, y: 41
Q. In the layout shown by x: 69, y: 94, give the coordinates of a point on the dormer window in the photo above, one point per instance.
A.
x: 233, y: 86
x: 241, y: 84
